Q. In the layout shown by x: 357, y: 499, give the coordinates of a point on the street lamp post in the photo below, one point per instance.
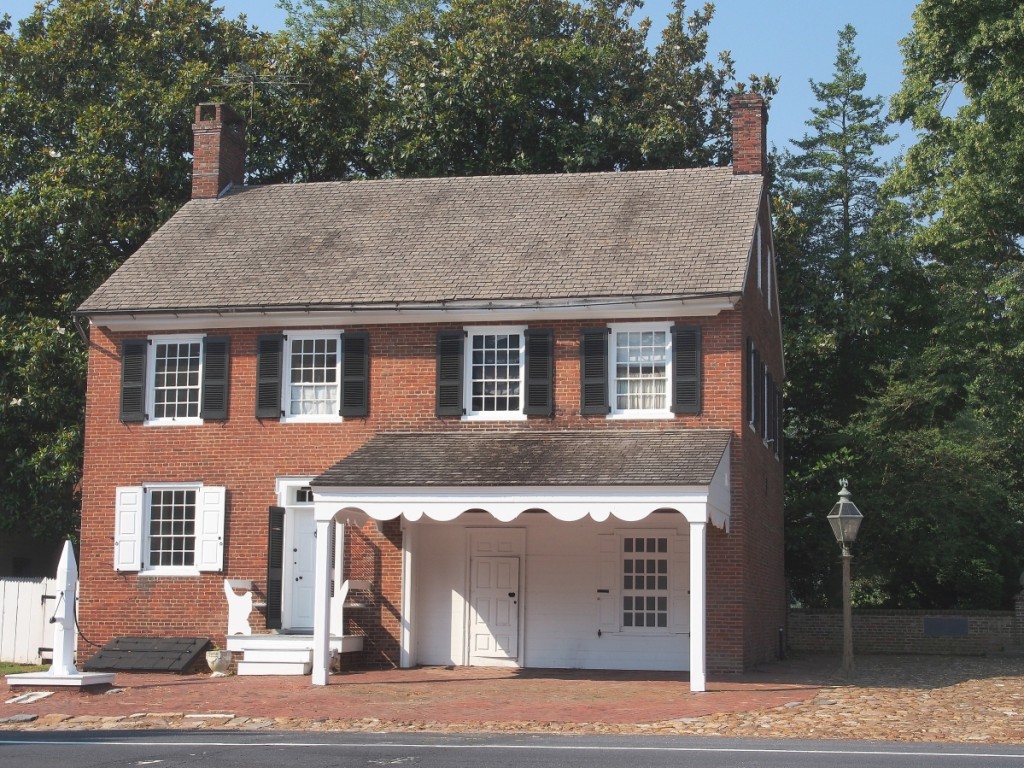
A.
x: 845, y: 520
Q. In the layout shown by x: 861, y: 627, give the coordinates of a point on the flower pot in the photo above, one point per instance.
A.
x: 218, y: 661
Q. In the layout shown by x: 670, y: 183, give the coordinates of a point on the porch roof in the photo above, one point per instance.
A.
x: 627, y: 474
x: 628, y: 457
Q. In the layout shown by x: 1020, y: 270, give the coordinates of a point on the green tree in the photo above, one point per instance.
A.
x: 964, y: 182
x: 524, y: 86
x: 855, y: 301
x: 96, y: 98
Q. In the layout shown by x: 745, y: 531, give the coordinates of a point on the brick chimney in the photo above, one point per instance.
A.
x: 218, y: 156
x: 749, y: 134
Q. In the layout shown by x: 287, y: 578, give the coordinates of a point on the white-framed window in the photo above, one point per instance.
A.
x: 640, y: 370
x: 645, y: 582
x: 494, y: 373
x: 171, y: 529
x: 311, y: 385
x: 175, y: 376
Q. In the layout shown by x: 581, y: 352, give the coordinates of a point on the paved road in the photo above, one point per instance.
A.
x: 170, y: 749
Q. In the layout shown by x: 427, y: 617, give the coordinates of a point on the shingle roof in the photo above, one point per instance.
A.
x: 645, y: 233
x: 533, y: 458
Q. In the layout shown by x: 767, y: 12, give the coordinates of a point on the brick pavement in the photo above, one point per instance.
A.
x: 892, y: 698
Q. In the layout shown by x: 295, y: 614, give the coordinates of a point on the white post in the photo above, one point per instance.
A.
x: 64, y: 616
x: 322, y: 603
x: 407, y: 659
x: 338, y: 566
x: 698, y: 606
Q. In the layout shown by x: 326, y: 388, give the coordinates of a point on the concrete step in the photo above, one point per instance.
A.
x: 274, y: 667
x: 297, y: 655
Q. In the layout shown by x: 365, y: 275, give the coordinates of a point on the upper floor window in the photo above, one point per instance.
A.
x: 169, y: 528
x: 180, y: 379
x: 312, y: 381
x: 640, y: 370
x: 493, y: 372
x: 312, y: 376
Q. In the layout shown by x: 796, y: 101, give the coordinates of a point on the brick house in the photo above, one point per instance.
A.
x: 535, y: 418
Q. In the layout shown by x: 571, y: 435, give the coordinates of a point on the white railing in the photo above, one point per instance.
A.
x: 26, y: 606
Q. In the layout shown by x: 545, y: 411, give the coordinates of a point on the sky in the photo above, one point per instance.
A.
x: 792, y: 39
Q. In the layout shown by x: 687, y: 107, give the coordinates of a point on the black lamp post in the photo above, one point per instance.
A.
x: 845, y: 520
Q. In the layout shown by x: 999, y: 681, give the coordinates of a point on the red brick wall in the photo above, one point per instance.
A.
x: 247, y: 455
x: 761, y: 498
x: 901, y: 631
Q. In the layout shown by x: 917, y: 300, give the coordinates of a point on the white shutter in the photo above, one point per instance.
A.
x: 210, y: 528
x: 609, y: 577
x: 128, y: 528
x: 679, y: 584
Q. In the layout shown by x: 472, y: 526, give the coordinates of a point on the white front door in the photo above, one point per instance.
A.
x: 299, y: 569
x: 494, y: 611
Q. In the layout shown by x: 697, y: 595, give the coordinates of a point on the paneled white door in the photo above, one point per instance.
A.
x: 494, y: 610
x: 299, y: 569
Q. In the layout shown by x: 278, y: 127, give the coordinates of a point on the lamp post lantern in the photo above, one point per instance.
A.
x: 845, y: 520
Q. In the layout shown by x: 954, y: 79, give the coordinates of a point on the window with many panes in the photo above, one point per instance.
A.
x: 172, y: 528
x: 645, y: 582
x: 176, y: 376
x: 312, y: 378
x: 494, y: 373
x: 641, y: 370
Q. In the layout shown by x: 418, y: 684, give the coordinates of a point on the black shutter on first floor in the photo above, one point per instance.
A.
x: 594, y: 371
x: 686, y: 369
x: 268, y: 376
x: 216, y: 373
x: 540, y: 366
x: 450, y: 346
x: 355, y: 373
x: 275, y: 564
x: 133, y: 379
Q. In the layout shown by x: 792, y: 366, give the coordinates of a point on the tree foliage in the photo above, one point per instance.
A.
x: 532, y: 86
x: 96, y: 99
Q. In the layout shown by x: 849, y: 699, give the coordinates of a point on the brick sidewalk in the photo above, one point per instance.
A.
x: 430, y: 694
x: 900, y: 698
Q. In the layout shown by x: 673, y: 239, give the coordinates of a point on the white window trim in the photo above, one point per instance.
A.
x: 286, y: 378
x: 660, y: 413
x: 467, y: 374
x: 673, y: 587
x: 151, y: 378
x: 145, y: 568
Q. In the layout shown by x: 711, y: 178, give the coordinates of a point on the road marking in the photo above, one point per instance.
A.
x: 533, y: 747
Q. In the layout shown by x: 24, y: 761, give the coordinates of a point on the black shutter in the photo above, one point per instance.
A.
x: 594, y: 371
x: 133, y: 380
x: 268, y: 376
x: 686, y: 369
x: 450, y: 345
x: 216, y: 369
x: 540, y: 354
x: 750, y: 382
x: 355, y: 373
x: 275, y: 563
x: 757, y: 380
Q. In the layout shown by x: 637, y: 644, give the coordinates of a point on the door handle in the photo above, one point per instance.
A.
x: 511, y: 594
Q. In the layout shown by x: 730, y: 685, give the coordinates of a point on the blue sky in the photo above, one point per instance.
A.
x: 793, y: 39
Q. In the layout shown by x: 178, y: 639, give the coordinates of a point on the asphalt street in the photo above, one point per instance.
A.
x: 84, y: 749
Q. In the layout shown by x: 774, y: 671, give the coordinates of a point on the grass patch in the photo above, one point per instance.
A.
x: 8, y: 668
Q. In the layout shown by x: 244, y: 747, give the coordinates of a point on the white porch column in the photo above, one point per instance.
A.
x: 698, y: 606
x: 407, y: 658
x: 322, y: 603
x: 337, y: 623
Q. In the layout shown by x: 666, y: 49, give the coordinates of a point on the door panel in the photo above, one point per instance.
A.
x: 494, y: 613
x: 299, y: 569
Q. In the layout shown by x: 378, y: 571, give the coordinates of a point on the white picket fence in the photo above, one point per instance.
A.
x: 25, y: 613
